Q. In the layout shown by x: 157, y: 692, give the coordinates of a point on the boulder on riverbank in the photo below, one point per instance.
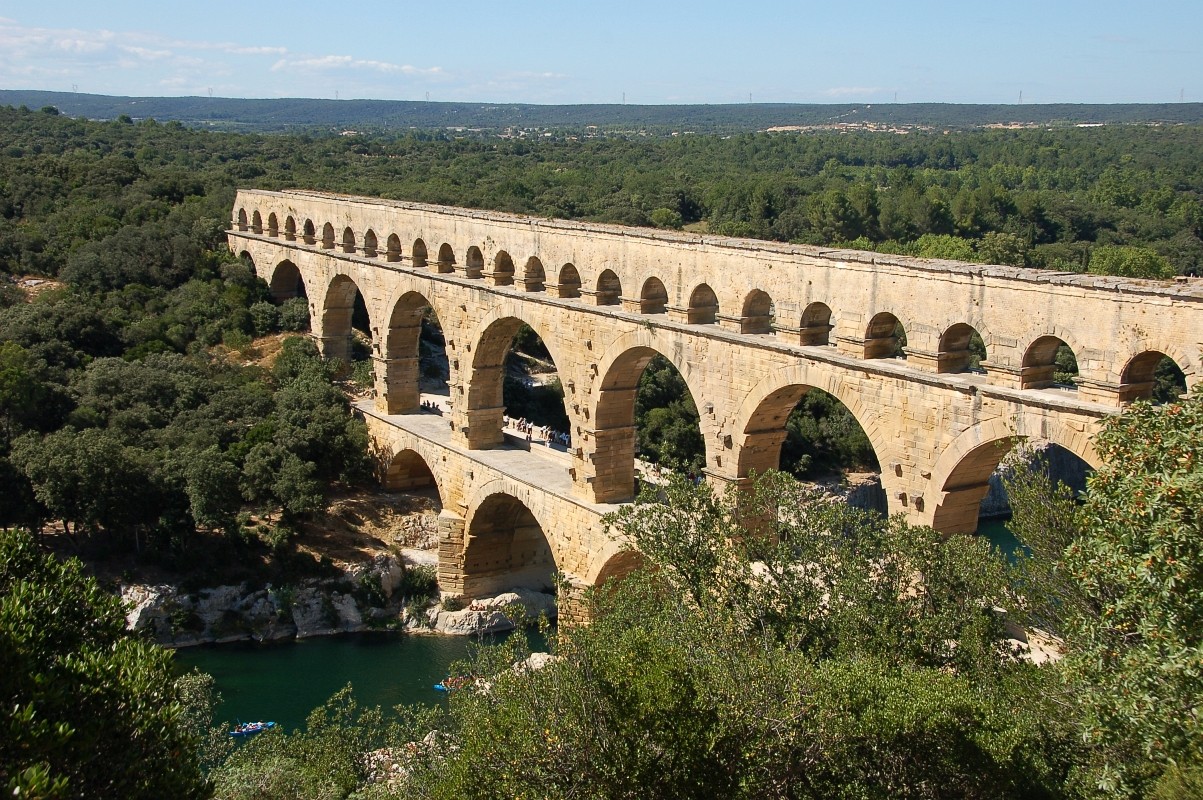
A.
x: 493, y: 614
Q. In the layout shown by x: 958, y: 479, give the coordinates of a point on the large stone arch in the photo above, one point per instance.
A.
x: 338, y: 305
x: 962, y: 473
x: 617, y: 565
x: 759, y: 423
x: 286, y: 281
x: 398, y: 357
x: 408, y: 470
x: 1036, y: 366
x: 485, y: 403
x: 613, y: 414
x: 506, y: 545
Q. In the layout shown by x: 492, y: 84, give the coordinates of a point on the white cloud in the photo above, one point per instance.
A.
x: 332, y: 63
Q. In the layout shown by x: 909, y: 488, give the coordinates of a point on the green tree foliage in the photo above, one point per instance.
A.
x: 1129, y: 262
x: 89, y: 711
x: 835, y: 655
x: 1121, y: 579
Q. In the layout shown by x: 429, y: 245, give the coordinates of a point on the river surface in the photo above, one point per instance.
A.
x: 284, y: 681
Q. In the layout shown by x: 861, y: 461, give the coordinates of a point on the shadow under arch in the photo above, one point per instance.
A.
x: 614, y: 413
x: 399, y: 388
x: 1153, y: 375
x: 761, y: 419
x: 486, y: 383
x: 505, y: 547
x: 339, y: 305
x: 406, y: 471
x: 286, y: 282
x: 961, y: 348
x: 961, y: 475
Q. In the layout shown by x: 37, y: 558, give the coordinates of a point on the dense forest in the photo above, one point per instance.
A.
x: 130, y: 218
x: 383, y: 116
x: 134, y: 415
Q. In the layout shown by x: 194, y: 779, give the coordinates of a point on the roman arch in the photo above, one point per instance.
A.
x: 750, y: 325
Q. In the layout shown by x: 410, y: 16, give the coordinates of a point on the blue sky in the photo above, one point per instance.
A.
x: 597, y: 52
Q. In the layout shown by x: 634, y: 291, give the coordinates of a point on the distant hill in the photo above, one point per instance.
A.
x: 377, y: 115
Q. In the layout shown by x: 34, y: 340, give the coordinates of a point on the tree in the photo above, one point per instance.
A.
x: 88, y: 710
x: 1129, y: 262
x: 829, y: 654
x: 1127, y: 592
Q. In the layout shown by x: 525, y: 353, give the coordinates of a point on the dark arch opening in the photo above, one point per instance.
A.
x: 286, y: 282
x: 1047, y: 362
x: 346, y: 328
x: 812, y: 435
x: 290, y: 229
x: 392, y: 249
x: 533, y: 275
x: 327, y: 236
x: 241, y: 219
x: 503, y: 269
x: 975, y: 495
x: 417, y: 367
x: 644, y: 410
x: 703, y: 306
x: 446, y: 262
x: 885, y: 337
x: 257, y: 222
x: 609, y: 289
x: 506, y: 548
x: 348, y: 244
x: 815, y: 326
x: 516, y: 382
x: 419, y: 254
x: 962, y: 349
x: 310, y: 232
x: 653, y: 297
x: 1152, y: 375
x: 474, y: 265
x: 273, y: 225
x: 569, y: 282
x: 370, y: 244
x: 757, y: 316
x: 406, y: 472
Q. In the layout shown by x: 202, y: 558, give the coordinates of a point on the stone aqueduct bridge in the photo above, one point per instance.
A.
x: 750, y: 325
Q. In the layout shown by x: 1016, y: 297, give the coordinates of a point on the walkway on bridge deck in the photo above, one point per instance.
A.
x: 535, y: 464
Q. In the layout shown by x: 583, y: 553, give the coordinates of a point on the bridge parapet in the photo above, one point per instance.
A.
x: 751, y: 326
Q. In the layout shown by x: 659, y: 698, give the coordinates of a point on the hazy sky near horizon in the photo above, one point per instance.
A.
x: 521, y: 51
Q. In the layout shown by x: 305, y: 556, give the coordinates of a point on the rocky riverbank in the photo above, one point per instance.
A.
x: 376, y: 595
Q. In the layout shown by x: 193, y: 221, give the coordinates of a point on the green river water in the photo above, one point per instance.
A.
x: 284, y: 681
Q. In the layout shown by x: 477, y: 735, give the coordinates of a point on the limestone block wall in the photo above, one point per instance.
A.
x: 750, y: 325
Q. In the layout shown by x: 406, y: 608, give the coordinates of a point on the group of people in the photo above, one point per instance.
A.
x: 433, y: 407
x: 542, y: 433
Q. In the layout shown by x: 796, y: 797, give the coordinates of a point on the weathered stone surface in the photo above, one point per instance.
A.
x: 751, y: 326
x: 492, y: 614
